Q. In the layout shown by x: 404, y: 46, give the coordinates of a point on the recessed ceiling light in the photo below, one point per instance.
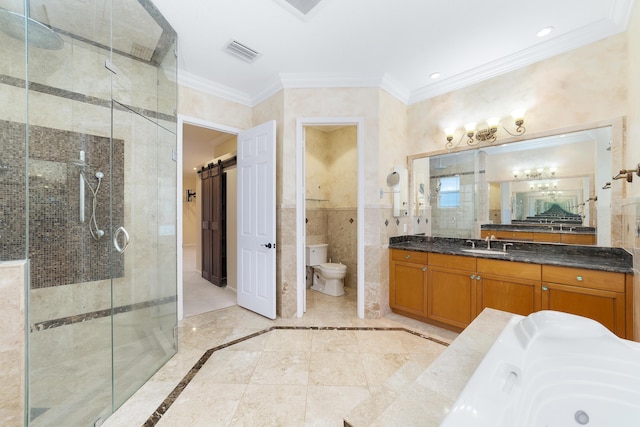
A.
x: 544, y: 32
x: 434, y: 75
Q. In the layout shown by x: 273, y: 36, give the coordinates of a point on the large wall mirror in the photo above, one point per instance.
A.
x: 559, y: 183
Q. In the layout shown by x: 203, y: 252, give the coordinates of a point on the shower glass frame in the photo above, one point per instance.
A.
x: 99, y: 323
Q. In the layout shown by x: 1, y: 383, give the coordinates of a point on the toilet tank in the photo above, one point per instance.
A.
x: 316, y: 254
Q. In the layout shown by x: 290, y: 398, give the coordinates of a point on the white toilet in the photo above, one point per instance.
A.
x: 328, y: 277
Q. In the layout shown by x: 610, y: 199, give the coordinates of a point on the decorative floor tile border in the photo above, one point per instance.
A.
x: 78, y: 318
x: 171, y: 398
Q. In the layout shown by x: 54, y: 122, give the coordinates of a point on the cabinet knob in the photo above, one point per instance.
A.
x: 472, y: 277
x: 424, y: 268
x: 407, y: 256
x: 544, y: 288
x: 478, y: 277
x: 579, y: 278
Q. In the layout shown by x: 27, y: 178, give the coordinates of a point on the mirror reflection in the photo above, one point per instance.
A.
x: 397, y: 181
x: 551, y: 189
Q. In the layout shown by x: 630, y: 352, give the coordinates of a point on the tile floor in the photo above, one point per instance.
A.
x: 302, y: 375
x: 200, y: 295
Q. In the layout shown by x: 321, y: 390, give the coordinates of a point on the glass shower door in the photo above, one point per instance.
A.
x: 144, y: 255
x: 144, y: 281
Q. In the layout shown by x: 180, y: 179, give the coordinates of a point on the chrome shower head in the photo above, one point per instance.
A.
x: 39, y: 35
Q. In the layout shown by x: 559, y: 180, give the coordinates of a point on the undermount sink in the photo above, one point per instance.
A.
x: 484, y: 251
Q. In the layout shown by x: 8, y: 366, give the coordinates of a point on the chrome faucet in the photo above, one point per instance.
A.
x: 488, y: 240
x: 504, y: 246
x: 473, y: 244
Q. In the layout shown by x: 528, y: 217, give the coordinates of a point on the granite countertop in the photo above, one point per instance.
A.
x: 540, y: 228
x: 589, y: 257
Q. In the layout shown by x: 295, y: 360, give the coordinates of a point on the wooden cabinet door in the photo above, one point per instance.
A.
x: 512, y: 295
x: 606, y: 307
x: 407, y: 287
x: 451, y: 296
x: 508, y: 286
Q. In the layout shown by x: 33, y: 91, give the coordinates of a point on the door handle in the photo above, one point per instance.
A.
x: 269, y: 245
x: 116, y: 244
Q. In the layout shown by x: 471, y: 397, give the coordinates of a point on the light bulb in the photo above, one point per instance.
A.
x: 493, y: 122
x: 518, y: 114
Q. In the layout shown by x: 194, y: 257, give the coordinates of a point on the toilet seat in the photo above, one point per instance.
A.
x: 333, y: 267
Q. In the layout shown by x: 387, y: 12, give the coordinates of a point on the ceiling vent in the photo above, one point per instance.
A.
x: 241, y: 51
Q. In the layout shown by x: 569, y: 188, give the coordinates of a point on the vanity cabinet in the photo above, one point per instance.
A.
x: 579, y: 239
x: 599, y: 295
x: 451, y: 292
x: 408, y: 281
x: 526, y: 236
x: 541, y: 237
x: 509, y: 286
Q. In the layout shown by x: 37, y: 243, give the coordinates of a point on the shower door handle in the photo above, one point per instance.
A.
x: 116, y: 244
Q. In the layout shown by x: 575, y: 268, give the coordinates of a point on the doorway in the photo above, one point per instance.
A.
x: 317, y: 202
x: 203, y: 143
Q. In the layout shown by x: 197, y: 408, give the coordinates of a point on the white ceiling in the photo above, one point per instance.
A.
x: 198, y: 146
x: 393, y: 44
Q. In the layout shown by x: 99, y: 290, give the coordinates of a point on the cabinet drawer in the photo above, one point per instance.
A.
x: 518, y: 270
x: 595, y: 279
x: 514, y: 235
x: 579, y: 239
x: 547, y: 237
x: 409, y: 256
x: 456, y: 262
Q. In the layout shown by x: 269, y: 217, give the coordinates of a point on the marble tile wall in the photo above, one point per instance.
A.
x: 12, y: 344
x: 286, y: 273
x: 342, y: 226
x: 338, y: 229
x: 631, y: 213
x: 61, y: 248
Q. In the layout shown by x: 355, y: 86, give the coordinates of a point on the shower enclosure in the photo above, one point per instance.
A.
x: 88, y: 197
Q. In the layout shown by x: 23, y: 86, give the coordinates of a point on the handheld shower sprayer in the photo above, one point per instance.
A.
x: 95, y: 231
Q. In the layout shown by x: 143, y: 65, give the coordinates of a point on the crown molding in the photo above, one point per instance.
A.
x: 271, y: 89
x: 213, y: 88
x: 395, y: 89
x: 620, y: 12
x: 561, y: 44
x: 325, y: 80
x: 617, y: 22
x: 328, y: 80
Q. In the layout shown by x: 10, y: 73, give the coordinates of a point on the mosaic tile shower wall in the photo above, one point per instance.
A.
x: 61, y: 249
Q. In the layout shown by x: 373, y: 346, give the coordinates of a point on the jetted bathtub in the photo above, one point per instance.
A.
x: 553, y: 369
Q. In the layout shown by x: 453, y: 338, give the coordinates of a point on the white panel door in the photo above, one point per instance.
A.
x: 257, y: 219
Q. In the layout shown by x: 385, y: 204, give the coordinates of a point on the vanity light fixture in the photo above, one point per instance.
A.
x: 628, y: 173
x: 488, y: 134
x: 535, y: 173
x: 544, y: 186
